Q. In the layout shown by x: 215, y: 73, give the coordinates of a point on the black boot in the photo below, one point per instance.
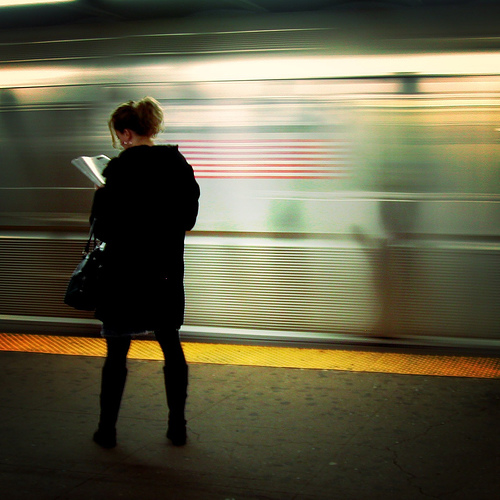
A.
x: 176, y: 383
x: 112, y: 385
x: 106, y: 438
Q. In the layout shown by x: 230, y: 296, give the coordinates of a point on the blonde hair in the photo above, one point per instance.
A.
x: 144, y: 117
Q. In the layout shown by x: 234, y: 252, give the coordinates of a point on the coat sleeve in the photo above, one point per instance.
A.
x: 99, y: 213
x: 192, y: 209
x: 191, y: 195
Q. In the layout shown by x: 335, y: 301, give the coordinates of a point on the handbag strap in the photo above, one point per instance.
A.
x: 91, y: 236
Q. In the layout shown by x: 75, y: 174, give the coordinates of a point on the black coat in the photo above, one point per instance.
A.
x: 149, y: 201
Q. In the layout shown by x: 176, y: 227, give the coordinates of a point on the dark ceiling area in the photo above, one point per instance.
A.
x: 115, y: 11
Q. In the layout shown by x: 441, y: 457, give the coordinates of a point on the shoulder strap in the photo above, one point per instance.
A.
x: 91, y: 236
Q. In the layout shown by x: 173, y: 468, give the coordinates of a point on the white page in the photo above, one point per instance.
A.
x: 92, y: 167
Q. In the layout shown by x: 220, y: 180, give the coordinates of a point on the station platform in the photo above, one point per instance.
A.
x: 273, y: 423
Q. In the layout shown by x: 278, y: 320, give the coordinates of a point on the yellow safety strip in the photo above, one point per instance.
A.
x: 270, y: 356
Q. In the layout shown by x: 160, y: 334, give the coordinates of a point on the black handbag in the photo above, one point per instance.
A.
x: 83, y: 287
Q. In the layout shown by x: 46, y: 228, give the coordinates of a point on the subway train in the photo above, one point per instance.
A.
x: 350, y: 191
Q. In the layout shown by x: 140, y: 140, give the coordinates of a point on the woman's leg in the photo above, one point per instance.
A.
x: 176, y: 382
x: 114, y: 375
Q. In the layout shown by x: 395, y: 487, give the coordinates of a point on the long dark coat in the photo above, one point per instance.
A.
x: 149, y: 201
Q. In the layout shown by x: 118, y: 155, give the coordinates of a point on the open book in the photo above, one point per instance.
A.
x: 92, y: 167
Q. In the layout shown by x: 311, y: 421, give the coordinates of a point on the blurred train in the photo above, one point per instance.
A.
x: 348, y: 192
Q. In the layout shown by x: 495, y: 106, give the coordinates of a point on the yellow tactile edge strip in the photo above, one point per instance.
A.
x: 278, y: 357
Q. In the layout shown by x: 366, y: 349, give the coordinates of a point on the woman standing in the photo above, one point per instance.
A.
x: 149, y: 201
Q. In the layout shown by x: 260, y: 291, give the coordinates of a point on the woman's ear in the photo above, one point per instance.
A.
x: 128, y: 135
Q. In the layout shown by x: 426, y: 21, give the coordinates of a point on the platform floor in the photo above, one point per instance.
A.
x: 255, y: 432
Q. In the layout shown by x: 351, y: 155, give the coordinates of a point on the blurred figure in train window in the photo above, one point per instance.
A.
x: 149, y: 201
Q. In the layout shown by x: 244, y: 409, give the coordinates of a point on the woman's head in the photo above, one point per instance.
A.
x: 144, y: 118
